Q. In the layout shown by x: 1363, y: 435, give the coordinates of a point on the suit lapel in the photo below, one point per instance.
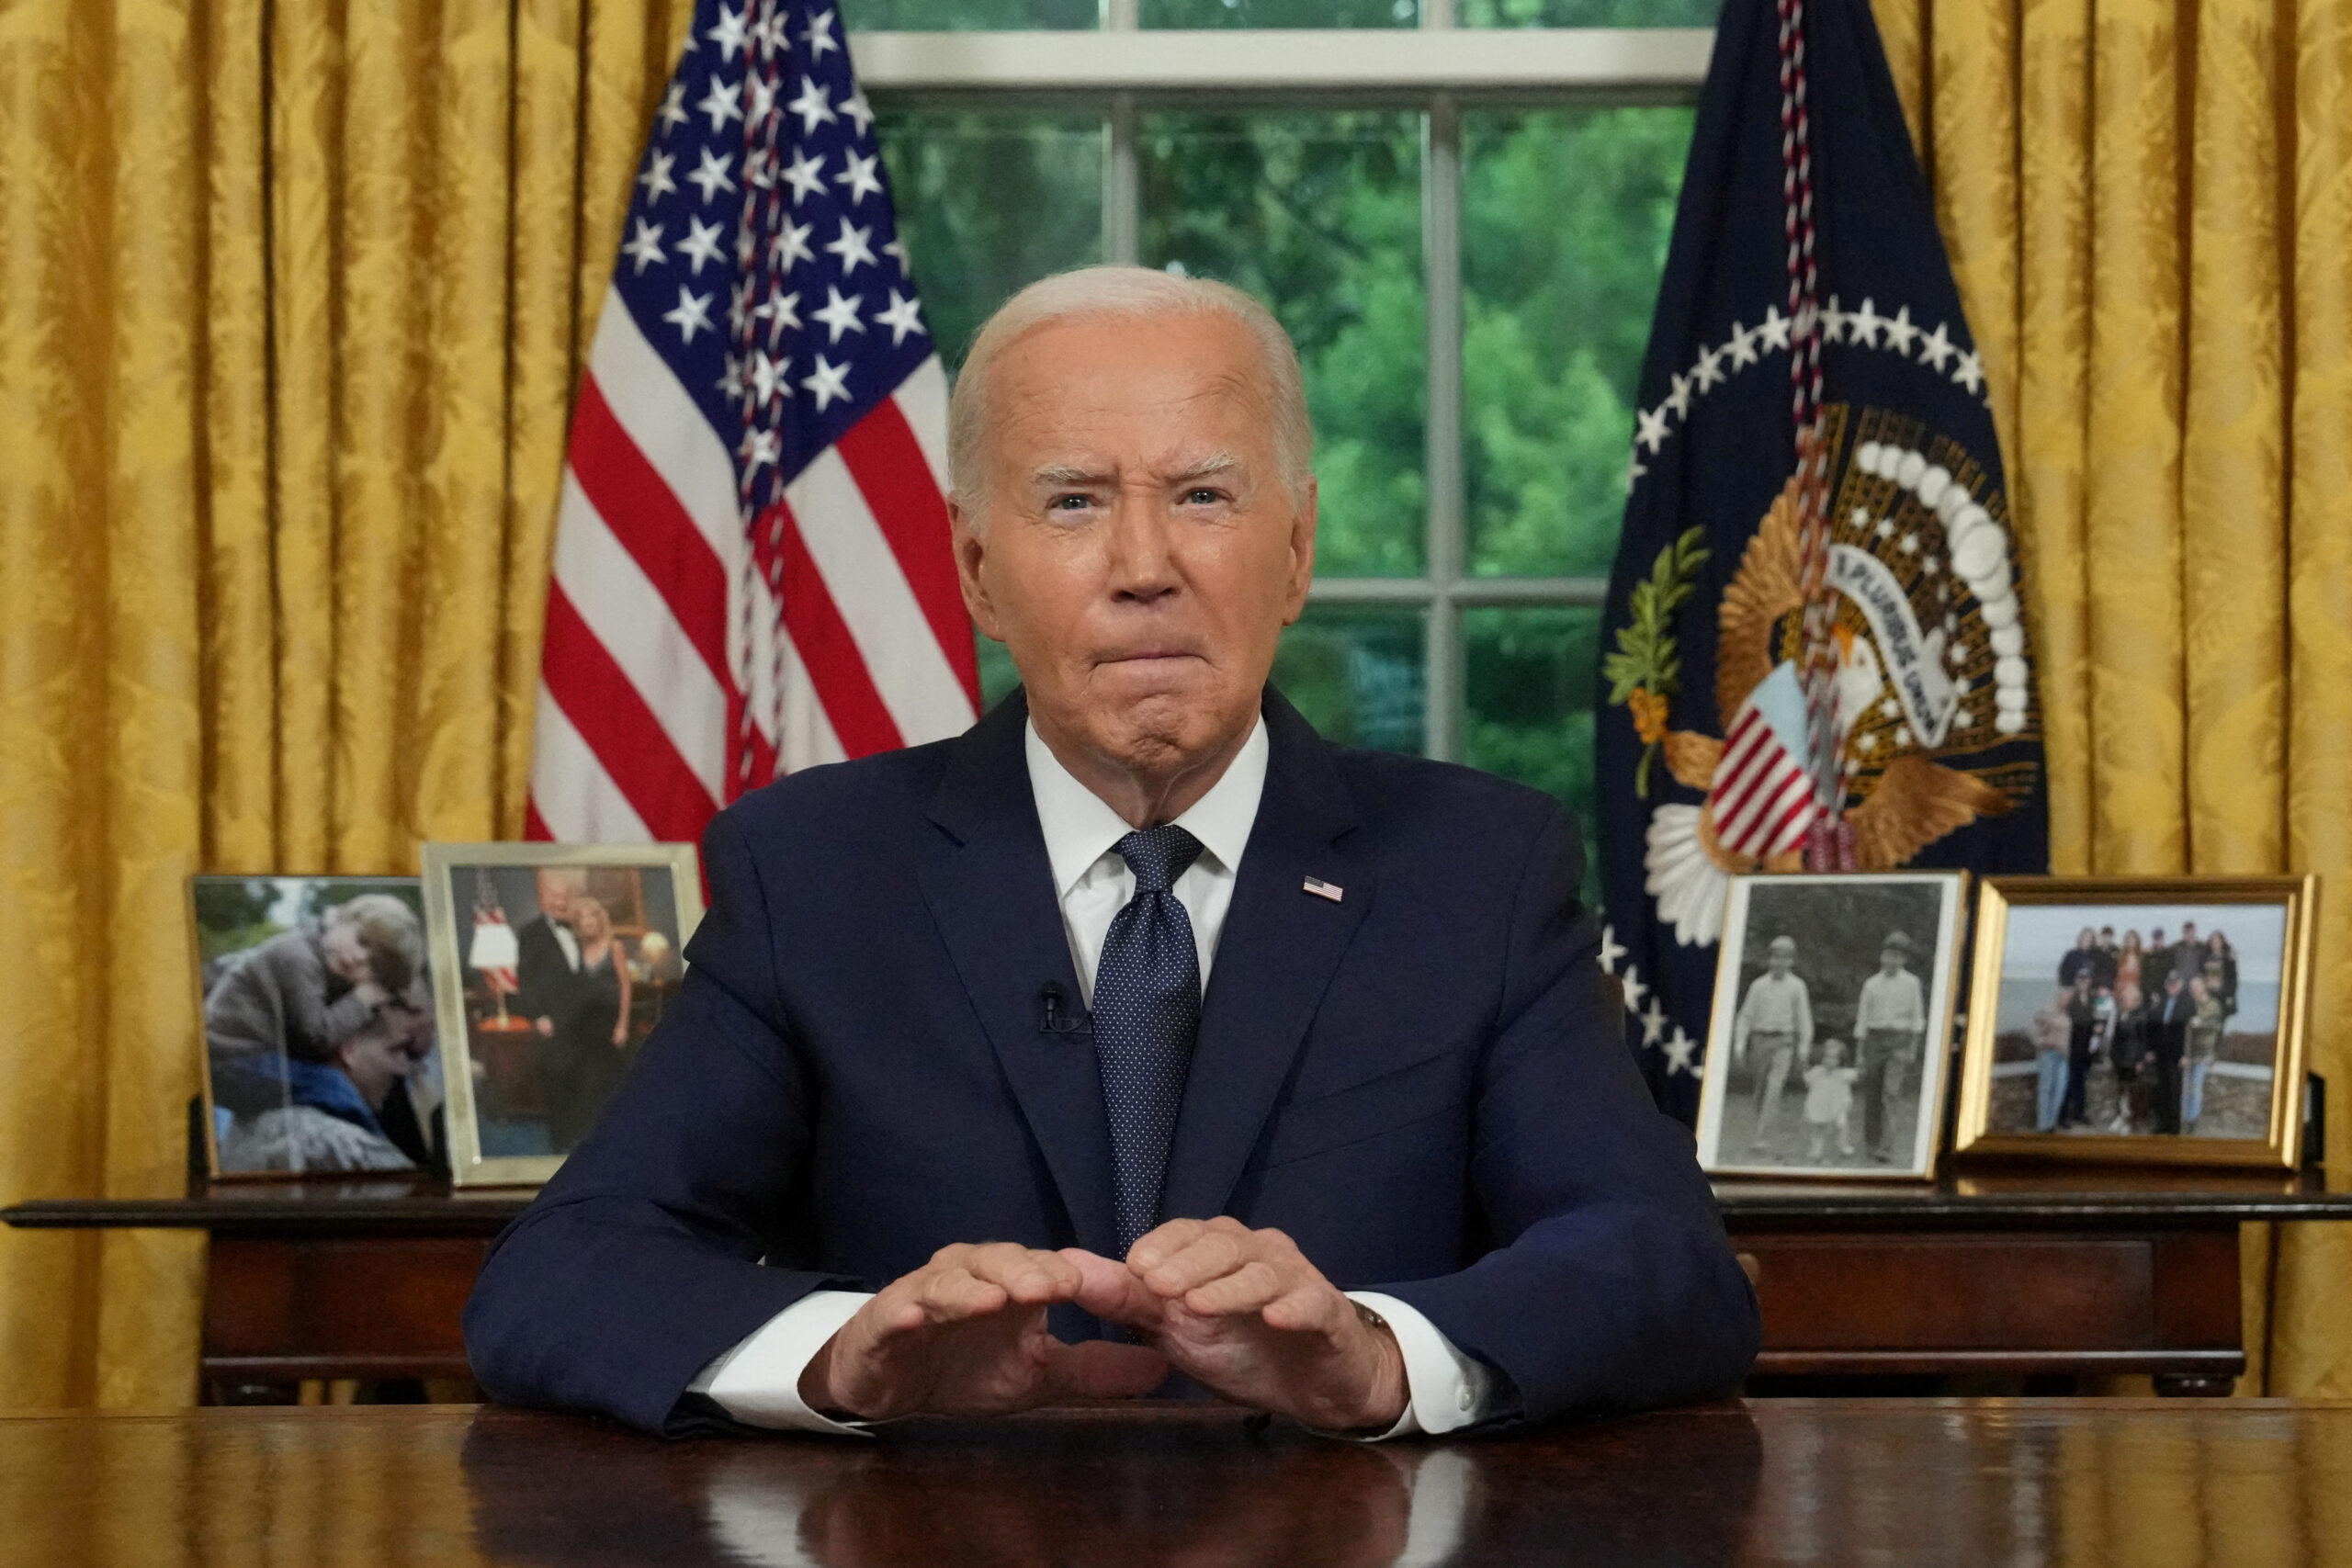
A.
x: 991, y: 889
x: 1275, y: 959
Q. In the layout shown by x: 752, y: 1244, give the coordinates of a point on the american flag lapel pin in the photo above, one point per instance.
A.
x: 1323, y: 889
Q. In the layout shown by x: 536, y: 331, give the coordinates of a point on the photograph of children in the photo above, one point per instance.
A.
x: 1828, y: 991
x: 560, y: 969
x: 319, y: 1038
x: 2133, y: 1020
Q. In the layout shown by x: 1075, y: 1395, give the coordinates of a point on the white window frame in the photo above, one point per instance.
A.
x: 1435, y: 68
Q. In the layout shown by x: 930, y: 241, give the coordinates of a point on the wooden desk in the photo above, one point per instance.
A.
x: 2149, y: 1484
x: 2074, y: 1273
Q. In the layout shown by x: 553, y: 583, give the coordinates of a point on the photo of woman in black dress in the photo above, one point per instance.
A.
x: 588, y: 1051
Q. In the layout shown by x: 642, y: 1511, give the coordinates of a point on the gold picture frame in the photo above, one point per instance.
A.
x: 516, y: 1103
x: 1748, y: 1125
x: 2245, y: 1107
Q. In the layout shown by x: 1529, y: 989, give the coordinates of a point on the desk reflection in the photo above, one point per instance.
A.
x: 1187, y: 1490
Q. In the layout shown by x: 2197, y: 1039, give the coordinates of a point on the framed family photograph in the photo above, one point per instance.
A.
x: 551, y: 963
x: 319, y: 1041
x: 2155, y: 1022
x: 1826, y: 1050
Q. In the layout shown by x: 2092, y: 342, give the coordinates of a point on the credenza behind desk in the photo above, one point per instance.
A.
x: 2074, y: 1273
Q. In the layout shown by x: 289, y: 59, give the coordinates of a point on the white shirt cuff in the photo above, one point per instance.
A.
x: 758, y: 1382
x: 1443, y: 1388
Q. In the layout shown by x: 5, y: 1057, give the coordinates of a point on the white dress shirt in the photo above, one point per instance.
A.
x: 758, y: 1382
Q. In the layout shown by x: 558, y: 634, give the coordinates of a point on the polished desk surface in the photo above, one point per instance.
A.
x: 2078, y: 1482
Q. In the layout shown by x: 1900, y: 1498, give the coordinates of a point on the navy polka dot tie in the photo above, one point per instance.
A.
x: 1147, y: 1013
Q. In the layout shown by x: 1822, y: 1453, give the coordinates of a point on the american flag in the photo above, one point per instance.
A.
x: 493, y: 937
x: 1762, y: 798
x: 752, y: 571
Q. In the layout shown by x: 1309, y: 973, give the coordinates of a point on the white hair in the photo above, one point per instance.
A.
x: 1125, y: 292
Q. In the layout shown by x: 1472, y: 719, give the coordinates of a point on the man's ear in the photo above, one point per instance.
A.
x: 971, y: 548
x: 1301, y: 556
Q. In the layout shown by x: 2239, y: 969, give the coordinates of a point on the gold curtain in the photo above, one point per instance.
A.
x: 2149, y: 208
x: 291, y: 301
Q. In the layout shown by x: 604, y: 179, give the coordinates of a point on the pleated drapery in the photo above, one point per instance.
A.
x: 2149, y: 208
x: 292, y: 300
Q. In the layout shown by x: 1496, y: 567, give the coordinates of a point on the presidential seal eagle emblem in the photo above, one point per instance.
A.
x: 1931, y: 675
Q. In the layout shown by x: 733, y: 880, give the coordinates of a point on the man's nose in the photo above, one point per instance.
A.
x: 1142, y: 556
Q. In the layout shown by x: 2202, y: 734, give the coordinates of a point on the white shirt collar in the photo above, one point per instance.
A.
x: 1081, y: 828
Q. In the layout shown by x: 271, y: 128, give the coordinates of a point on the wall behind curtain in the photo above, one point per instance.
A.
x: 292, y: 298
x: 2149, y: 208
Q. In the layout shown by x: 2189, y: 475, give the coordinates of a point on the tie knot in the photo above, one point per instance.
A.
x: 1158, y: 856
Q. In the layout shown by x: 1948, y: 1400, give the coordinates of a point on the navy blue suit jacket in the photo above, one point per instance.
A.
x: 1421, y: 1083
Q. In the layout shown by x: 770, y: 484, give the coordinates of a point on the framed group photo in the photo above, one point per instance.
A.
x: 2157, y: 1022
x: 551, y: 963
x: 320, y: 1046
x: 1826, y: 1049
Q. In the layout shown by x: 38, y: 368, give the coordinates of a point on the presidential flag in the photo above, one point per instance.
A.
x: 1815, y: 647
x: 752, y: 570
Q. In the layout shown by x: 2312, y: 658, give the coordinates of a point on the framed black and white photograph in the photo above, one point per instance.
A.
x: 1834, y: 998
x: 553, y: 961
x: 318, y: 1040
x: 2157, y: 1022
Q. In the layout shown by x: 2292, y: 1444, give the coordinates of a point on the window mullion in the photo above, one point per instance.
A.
x: 1441, y: 285
x: 1122, y: 195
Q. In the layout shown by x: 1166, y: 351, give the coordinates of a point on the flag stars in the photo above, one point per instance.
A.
x: 839, y: 315
x: 672, y: 112
x: 1833, y: 322
x: 1970, y: 371
x: 722, y: 103
x: 897, y: 251
x: 1653, y: 431
x: 1900, y: 332
x: 712, y: 175
x: 728, y: 35
x: 806, y: 176
x: 781, y: 312
x: 818, y: 35
x: 904, y: 316
x: 1741, y: 347
x: 762, y: 99
x: 851, y: 246
x: 656, y: 178
x: 768, y: 377
x: 859, y: 111
x: 858, y: 175
x: 1611, y: 950
x: 814, y: 106
x: 790, y: 246
x: 701, y: 243
x: 1678, y: 399
x: 644, y: 246
x: 829, y: 384
x: 1653, y: 1023
x: 1937, y: 347
x: 1635, y: 989
x: 1773, y: 331
x: 690, y: 315
x: 1865, y: 324
x: 760, y: 446
x: 1708, y: 372
x: 730, y: 381
x: 1677, y: 1053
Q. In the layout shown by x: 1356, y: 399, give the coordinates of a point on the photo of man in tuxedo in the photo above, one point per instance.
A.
x: 1139, y: 1038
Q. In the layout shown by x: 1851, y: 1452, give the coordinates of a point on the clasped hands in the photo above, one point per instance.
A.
x: 1241, y: 1311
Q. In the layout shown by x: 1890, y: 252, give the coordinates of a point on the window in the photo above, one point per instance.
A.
x: 1462, y: 227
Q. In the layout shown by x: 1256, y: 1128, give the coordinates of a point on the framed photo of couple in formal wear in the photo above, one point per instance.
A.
x: 1829, y: 1042
x: 2155, y: 1022
x: 551, y: 964
x: 320, y: 1053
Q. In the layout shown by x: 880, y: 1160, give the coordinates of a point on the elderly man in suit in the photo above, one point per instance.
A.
x: 1140, y: 1037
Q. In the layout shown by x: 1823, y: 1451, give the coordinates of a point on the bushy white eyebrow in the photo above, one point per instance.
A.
x: 1059, y: 475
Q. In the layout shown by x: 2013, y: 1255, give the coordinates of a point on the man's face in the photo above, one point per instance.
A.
x: 2189, y: 933
x: 374, y: 1059
x: 1137, y: 550
x: 555, y: 891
